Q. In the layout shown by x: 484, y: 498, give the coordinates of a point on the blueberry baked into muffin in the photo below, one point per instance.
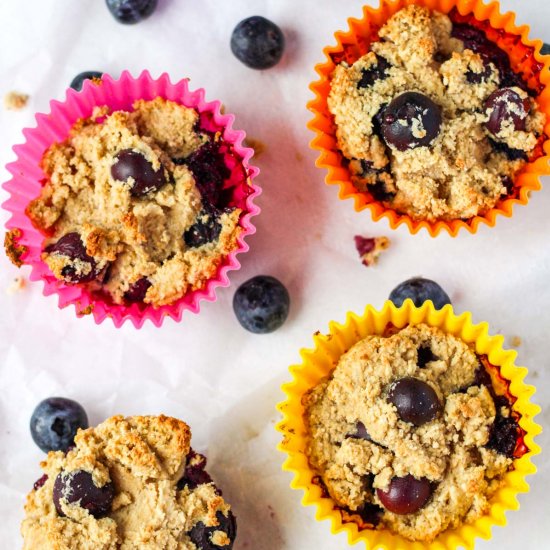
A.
x: 432, y: 121
x: 412, y: 432
x: 140, y: 206
x: 129, y: 483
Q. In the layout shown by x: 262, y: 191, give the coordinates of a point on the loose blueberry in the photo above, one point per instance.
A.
x: 131, y: 164
x: 137, y: 291
x: 415, y: 400
x: 506, y: 107
x: 78, y: 487
x: 131, y: 11
x: 258, y: 42
x: 261, y: 304
x: 375, y: 72
x: 545, y: 50
x: 410, y: 120
x: 71, y: 246
x: 78, y: 81
x: 419, y: 290
x: 405, y: 495
x: 201, y: 535
x: 208, y: 167
x: 194, y: 473
x: 40, y: 482
x: 55, y: 421
x: 203, y: 231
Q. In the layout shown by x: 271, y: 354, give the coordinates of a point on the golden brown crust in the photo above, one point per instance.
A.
x: 13, y: 249
x: 450, y: 450
x: 145, y: 457
x: 459, y: 174
x: 138, y: 237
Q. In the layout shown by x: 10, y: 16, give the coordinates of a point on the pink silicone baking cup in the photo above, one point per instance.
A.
x: 28, y: 180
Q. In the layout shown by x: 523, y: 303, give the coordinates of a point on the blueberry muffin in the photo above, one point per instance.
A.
x: 129, y: 483
x: 432, y: 121
x: 140, y: 206
x: 410, y: 434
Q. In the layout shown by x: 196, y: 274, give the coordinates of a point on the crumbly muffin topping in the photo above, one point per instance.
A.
x: 136, y: 204
x: 418, y: 120
x: 410, y: 414
x: 129, y: 483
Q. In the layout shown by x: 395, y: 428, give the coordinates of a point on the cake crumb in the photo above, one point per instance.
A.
x: 87, y: 310
x: 370, y: 248
x: 515, y: 341
x: 258, y: 146
x: 14, y: 250
x: 15, y: 101
x: 16, y: 286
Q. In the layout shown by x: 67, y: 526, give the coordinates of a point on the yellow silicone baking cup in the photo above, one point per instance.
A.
x: 321, y: 360
x: 355, y: 42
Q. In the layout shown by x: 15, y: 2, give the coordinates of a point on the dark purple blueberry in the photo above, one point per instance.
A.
x: 482, y: 377
x: 360, y: 432
x: 375, y: 72
x: 71, y: 246
x: 131, y: 164
x: 369, y: 513
x: 201, y: 535
x: 511, y: 154
x: 78, y: 81
x: 131, y: 11
x: 405, y: 495
x: 503, y: 435
x: 378, y: 119
x: 545, y: 50
x: 415, y: 400
x: 258, y: 42
x: 194, y: 473
x: 203, y: 231
x: 425, y: 355
x: 137, y: 291
x: 505, y: 106
x: 208, y: 167
x: 55, y: 421
x: 419, y: 290
x: 380, y: 192
x: 78, y: 488
x: 478, y: 78
x: 508, y: 184
x: 40, y: 482
x: 408, y: 114
x: 261, y: 304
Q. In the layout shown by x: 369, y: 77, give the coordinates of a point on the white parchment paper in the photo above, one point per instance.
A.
x: 207, y: 370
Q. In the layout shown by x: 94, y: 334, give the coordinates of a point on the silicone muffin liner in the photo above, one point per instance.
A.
x: 318, y: 362
x: 525, y: 57
x: 28, y: 179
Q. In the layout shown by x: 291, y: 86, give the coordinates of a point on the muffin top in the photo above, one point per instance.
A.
x: 408, y: 433
x: 131, y: 483
x: 433, y: 121
x: 140, y: 205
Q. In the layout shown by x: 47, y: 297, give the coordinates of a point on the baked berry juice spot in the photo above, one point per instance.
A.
x: 430, y: 117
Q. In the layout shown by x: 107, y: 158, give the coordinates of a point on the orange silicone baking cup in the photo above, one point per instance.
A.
x: 317, y: 363
x: 524, y: 55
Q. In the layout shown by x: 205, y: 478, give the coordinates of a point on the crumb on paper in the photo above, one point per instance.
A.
x: 370, y: 248
x: 15, y: 101
x: 258, y: 146
x: 87, y: 310
x: 515, y: 341
x: 17, y: 285
x: 222, y: 106
x: 299, y: 156
x: 14, y: 250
